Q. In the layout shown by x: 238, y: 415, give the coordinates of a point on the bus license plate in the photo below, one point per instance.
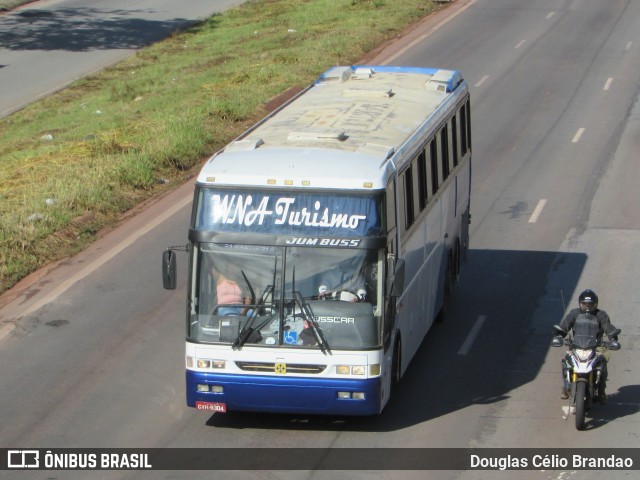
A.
x: 212, y: 406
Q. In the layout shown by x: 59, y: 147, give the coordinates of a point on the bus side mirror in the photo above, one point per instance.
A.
x: 397, y: 281
x: 169, y: 269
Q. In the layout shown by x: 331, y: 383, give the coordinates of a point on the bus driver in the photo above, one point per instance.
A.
x: 229, y: 293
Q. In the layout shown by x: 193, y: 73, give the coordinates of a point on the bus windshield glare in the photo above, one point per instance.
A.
x: 298, y: 297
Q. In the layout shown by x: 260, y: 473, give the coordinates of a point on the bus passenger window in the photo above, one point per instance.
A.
x: 434, y: 167
x: 422, y: 179
x: 408, y: 198
x: 454, y: 141
x: 463, y: 130
x: 444, y: 151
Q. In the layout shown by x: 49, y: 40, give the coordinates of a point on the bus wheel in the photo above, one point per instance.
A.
x: 457, y: 264
x: 450, y: 277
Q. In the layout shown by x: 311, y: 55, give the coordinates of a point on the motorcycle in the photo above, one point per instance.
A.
x: 582, y: 369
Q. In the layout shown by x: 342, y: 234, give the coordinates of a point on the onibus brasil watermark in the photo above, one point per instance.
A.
x: 49, y: 460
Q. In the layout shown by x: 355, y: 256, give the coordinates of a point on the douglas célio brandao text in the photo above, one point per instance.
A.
x: 550, y: 461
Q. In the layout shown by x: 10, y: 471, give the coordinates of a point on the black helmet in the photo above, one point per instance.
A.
x: 588, y: 301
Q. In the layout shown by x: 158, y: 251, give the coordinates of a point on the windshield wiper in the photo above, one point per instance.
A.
x: 247, y: 330
x: 305, y: 308
x: 253, y: 294
x: 311, y: 318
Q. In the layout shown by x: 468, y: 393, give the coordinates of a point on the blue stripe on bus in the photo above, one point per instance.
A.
x: 286, y: 394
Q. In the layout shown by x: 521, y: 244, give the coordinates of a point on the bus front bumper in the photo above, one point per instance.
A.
x: 255, y: 393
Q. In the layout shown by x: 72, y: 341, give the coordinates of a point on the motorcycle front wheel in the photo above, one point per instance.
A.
x: 581, y: 403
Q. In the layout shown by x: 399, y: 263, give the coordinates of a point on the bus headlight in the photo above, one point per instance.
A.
x: 351, y: 370
x: 351, y: 395
x: 201, y: 388
x: 206, y: 363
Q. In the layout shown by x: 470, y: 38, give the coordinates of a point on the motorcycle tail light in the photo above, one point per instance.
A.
x: 583, y: 354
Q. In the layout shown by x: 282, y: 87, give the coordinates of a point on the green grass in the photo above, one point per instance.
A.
x: 74, y: 162
x: 10, y: 4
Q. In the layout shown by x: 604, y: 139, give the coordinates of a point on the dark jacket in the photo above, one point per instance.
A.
x: 604, y: 323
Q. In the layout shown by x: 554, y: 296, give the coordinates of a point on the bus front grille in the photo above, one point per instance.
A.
x: 280, y: 368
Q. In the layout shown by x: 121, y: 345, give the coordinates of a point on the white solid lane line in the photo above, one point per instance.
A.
x: 537, y: 211
x: 578, y: 135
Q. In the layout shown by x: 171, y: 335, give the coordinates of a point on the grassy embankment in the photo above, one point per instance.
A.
x: 9, y: 4
x: 73, y: 163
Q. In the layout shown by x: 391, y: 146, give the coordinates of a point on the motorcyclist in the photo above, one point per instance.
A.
x: 587, y: 319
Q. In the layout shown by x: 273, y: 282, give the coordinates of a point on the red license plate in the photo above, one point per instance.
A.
x: 212, y: 406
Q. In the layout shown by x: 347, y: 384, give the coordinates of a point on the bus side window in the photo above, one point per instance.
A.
x: 432, y: 171
x: 468, y: 123
x: 407, y: 183
x: 421, y: 169
x: 444, y: 153
x: 463, y: 130
x: 453, y: 142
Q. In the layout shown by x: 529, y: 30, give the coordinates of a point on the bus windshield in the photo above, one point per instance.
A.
x: 293, y: 296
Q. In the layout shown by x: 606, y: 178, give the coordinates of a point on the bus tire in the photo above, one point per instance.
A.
x: 449, y: 280
x: 464, y: 249
x: 450, y: 276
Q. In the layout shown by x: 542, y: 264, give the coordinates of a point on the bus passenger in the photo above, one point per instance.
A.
x: 344, y: 295
x: 229, y: 293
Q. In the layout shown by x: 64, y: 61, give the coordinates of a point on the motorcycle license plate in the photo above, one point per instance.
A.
x: 212, y: 406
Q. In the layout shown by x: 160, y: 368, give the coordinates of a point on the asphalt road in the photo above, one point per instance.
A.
x: 93, y: 349
x: 47, y: 44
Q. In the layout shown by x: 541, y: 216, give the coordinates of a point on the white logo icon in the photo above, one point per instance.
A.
x: 23, y: 459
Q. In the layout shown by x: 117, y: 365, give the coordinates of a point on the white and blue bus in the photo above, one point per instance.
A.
x: 324, y: 242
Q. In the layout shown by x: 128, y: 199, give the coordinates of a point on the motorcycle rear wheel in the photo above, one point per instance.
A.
x: 581, y: 402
